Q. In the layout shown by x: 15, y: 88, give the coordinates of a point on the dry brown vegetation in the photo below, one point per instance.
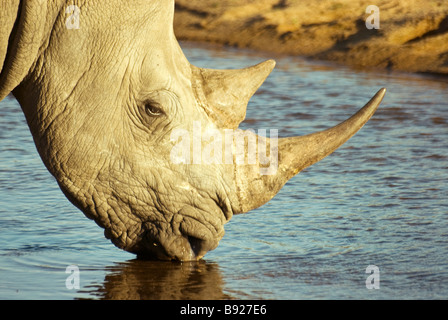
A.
x: 413, y: 34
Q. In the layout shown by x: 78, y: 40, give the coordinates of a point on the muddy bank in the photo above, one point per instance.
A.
x: 412, y: 34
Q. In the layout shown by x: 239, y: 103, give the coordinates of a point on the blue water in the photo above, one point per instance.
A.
x: 381, y: 200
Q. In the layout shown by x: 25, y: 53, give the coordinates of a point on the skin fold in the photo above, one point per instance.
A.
x: 102, y: 102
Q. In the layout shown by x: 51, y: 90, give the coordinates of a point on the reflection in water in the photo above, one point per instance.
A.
x: 160, y: 280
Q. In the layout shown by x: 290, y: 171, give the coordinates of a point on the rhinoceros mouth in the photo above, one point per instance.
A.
x: 185, y: 236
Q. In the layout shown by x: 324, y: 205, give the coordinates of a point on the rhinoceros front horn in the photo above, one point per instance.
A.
x: 296, y: 154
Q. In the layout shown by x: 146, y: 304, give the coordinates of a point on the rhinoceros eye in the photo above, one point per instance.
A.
x: 152, y: 110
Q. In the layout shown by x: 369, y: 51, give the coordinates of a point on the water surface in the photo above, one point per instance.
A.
x: 381, y: 199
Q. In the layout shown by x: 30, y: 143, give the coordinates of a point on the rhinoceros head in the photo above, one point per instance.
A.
x: 140, y: 140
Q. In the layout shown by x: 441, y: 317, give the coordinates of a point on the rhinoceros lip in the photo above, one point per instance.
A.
x: 186, y: 236
x: 203, y: 230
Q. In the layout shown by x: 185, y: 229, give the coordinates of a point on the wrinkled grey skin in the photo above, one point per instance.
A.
x: 101, y: 103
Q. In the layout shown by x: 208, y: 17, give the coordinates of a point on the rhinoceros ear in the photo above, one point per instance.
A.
x: 224, y: 94
x: 23, y: 23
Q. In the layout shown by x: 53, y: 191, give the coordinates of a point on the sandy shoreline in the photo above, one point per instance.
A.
x: 413, y: 34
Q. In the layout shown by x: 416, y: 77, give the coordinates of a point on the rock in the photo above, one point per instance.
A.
x: 413, y: 34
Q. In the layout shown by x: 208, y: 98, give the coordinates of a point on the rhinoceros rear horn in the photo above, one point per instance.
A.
x: 296, y: 154
x: 21, y: 33
x: 224, y: 94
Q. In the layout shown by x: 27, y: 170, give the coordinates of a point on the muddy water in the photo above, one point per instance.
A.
x: 379, y: 200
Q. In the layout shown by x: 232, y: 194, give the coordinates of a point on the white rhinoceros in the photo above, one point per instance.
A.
x: 104, y: 85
